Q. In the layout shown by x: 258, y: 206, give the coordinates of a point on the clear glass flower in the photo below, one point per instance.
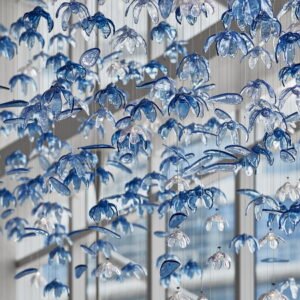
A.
x: 178, y: 238
x: 288, y: 192
x: 220, y: 260
x: 45, y: 223
x: 135, y: 133
x: 38, y: 280
x: 217, y: 219
x: 107, y: 270
x: 274, y: 294
x: 178, y: 295
x: 128, y: 38
x: 272, y: 239
x: 177, y: 183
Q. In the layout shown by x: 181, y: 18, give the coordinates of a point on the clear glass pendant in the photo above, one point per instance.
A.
x: 107, y: 270
x: 178, y: 238
x: 220, y: 260
x: 271, y: 239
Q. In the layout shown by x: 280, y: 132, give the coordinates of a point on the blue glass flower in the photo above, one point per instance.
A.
x: 191, y: 10
x: 288, y: 72
x: 194, y: 67
x: 244, y: 239
x: 229, y: 42
x: 257, y: 52
x: 59, y: 255
x: 15, y: 228
x: 231, y: 126
x: 8, y: 48
x: 259, y: 201
x: 71, y: 72
x: 269, y: 27
x: 111, y: 95
x: 163, y: 31
x: 145, y: 106
x: 16, y: 28
x: 176, y: 49
x: 57, y: 288
x: 128, y: 38
x: 33, y: 18
x: 254, y: 89
x: 153, y: 67
x: 56, y: 61
x: 138, y: 5
x: 277, y: 139
x: 103, y: 24
x: 25, y: 82
x: 103, y: 209
x: 162, y: 89
x: 268, y: 113
x: 71, y: 8
x: 191, y: 269
x: 7, y: 199
x: 30, y: 36
x: 287, y: 45
x: 184, y: 101
x: 59, y: 41
x: 103, y: 246
x: 133, y: 270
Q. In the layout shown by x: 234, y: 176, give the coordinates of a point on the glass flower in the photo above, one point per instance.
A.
x: 106, y: 271
x: 184, y: 101
x: 153, y: 67
x: 218, y: 220
x: 194, y: 67
x: 133, y: 270
x: 287, y: 44
x: 271, y: 239
x: 128, y: 38
x: 293, y: 6
x: 175, y: 50
x: 59, y: 41
x: 57, y: 287
x: 288, y: 192
x: 30, y: 36
x: 56, y: 61
x: 72, y: 7
x: 254, y: 89
x: 177, y: 183
x: 231, y: 126
x: 178, y: 238
x: 34, y: 17
x: 103, y: 24
x: 220, y: 260
x: 138, y: 5
x: 278, y: 139
x: 269, y: 27
x: 228, y: 43
x: 103, y: 209
x: 163, y: 31
x: 38, y: 280
x: 25, y: 82
x: 192, y: 9
x: 255, y: 53
x: 289, y: 72
x: 273, y: 294
x: 244, y: 239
